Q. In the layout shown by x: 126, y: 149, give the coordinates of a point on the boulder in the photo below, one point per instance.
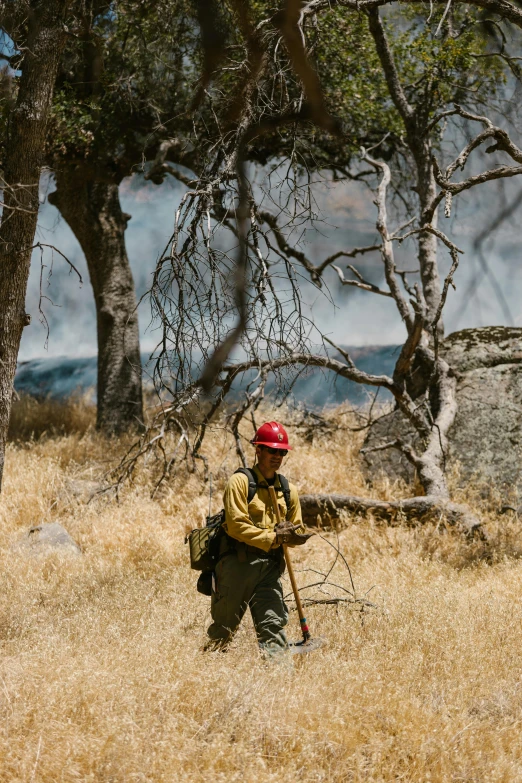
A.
x: 486, y: 437
x: 42, y: 539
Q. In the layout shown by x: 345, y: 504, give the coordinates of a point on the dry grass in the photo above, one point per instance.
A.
x: 32, y: 419
x: 102, y: 678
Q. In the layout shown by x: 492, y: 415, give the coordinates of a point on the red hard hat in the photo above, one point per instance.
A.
x: 271, y: 434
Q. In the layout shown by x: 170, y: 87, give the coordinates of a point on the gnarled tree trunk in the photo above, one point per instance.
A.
x: 24, y: 151
x: 92, y: 210
x: 427, y: 254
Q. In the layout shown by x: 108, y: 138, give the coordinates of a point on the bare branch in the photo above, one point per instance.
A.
x: 503, y: 144
x: 443, y: 19
x: 315, y: 271
x: 348, y: 371
x: 344, y: 353
x: 362, y: 284
x: 478, y: 179
x: 387, y: 247
x: 54, y: 249
x: 175, y: 149
x: 438, y: 117
x: 390, y: 70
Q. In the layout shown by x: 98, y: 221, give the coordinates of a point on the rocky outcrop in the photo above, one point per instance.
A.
x: 486, y: 437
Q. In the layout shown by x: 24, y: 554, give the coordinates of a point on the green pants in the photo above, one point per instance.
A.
x: 253, y: 583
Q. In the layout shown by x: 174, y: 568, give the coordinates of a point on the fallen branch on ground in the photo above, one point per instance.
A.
x: 329, y: 508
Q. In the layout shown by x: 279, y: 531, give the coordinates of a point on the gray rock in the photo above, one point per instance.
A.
x: 486, y: 438
x: 42, y: 539
x: 489, y: 346
x: 390, y: 463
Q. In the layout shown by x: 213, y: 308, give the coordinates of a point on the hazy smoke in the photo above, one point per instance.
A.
x: 357, y: 318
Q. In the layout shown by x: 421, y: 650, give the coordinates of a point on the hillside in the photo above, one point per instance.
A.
x: 102, y: 674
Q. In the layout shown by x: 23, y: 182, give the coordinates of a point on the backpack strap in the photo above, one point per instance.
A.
x: 252, y: 483
x: 285, y: 486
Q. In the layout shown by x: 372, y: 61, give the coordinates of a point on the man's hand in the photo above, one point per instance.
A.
x: 286, y: 533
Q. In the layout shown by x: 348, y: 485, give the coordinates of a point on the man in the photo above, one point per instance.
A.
x: 248, y: 573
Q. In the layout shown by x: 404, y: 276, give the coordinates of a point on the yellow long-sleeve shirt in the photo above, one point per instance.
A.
x: 253, y: 523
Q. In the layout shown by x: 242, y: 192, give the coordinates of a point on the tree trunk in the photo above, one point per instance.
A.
x: 328, y: 508
x: 23, y: 160
x: 427, y: 255
x: 415, y: 120
x: 92, y: 210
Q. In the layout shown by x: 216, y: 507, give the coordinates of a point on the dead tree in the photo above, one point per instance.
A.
x: 41, y: 25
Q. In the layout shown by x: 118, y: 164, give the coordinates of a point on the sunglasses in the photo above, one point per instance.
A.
x: 279, y: 452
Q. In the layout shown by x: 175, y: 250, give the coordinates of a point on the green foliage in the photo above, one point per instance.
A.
x: 438, y: 70
x: 435, y: 71
x: 74, y: 123
x: 352, y: 79
x: 121, y: 88
x: 128, y: 79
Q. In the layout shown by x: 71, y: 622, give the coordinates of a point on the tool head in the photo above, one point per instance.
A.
x: 311, y: 645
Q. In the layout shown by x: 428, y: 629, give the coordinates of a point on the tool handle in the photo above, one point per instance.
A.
x: 302, y: 619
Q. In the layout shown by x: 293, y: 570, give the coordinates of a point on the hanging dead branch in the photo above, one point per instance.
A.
x: 199, y: 289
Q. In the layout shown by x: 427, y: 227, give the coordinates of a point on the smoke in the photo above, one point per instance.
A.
x: 348, y: 316
x: 69, y: 306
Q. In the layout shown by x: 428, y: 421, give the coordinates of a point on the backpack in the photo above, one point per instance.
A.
x: 204, y: 542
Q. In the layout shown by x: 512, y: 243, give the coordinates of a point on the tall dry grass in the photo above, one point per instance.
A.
x: 32, y: 418
x: 102, y: 677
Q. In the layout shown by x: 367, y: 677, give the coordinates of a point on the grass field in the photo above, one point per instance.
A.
x: 102, y: 677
